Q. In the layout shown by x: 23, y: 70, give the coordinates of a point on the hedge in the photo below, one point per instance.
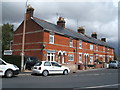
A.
x: 13, y: 59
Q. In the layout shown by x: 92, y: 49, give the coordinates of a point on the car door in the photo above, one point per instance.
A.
x: 48, y: 66
x: 56, y: 68
x: 2, y: 68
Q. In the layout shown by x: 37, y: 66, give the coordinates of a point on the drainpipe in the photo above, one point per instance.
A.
x: 77, y: 52
x: 85, y: 62
x: 23, y: 40
x: 77, y: 55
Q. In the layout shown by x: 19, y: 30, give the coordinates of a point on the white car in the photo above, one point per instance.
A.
x: 114, y: 64
x: 46, y: 67
x: 8, y: 70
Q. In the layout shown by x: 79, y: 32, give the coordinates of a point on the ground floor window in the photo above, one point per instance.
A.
x: 91, y: 59
x: 50, y: 56
x: 71, y: 57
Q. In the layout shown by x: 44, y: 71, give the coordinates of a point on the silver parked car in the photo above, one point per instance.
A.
x: 49, y: 67
x: 114, y: 64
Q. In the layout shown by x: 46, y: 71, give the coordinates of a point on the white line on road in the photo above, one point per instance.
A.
x: 103, y: 86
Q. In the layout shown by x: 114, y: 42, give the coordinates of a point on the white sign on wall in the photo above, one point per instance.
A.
x: 7, y: 52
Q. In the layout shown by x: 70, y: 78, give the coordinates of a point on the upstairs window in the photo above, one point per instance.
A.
x: 112, y: 51
x: 91, y: 47
x: 80, y: 44
x: 103, y: 49
x: 96, y: 47
x: 71, y: 42
x: 108, y: 50
x: 51, y: 41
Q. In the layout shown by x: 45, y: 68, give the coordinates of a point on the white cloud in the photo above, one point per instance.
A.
x: 100, y: 17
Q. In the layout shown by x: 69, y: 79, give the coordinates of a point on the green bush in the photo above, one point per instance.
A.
x: 98, y: 61
x: 13, y: 59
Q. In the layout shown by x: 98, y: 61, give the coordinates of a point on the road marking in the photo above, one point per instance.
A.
x: 103, y: 86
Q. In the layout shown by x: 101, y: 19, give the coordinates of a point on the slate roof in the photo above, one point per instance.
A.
x: 67, y: 32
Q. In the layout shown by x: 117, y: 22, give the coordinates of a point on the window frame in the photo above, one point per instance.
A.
x: 80, y: 44
x: 103, y: 49
x: 91, y: 59
x: 80, y: 57
x: 51, y: 35
x: 71, y: 42
x: 51, y: 56
x: 96, y: 47
x: 91, y: 46
x: 70, y: 57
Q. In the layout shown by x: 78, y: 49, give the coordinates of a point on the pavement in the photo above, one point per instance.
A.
x: 28, y: 72
x: 91, y: 78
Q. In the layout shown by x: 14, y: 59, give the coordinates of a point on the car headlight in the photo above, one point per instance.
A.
x: 15, y: 66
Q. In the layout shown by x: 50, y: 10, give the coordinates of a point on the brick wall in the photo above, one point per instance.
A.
x: 36, y: 38
x: 33, y: 40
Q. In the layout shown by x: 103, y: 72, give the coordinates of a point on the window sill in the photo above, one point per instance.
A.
x: 51, y: 43
x: 71, y: 60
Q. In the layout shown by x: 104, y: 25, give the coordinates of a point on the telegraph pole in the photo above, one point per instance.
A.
x: 23, y: 40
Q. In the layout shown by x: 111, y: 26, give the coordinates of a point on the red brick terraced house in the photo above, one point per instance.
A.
x: 51, y: 42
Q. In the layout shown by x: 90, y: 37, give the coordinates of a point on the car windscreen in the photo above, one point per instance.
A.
x: 32, y: 59
x: 38, y: 64
x: 113, y: 62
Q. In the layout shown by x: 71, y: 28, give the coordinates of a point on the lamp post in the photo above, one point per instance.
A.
x: 23, y: 40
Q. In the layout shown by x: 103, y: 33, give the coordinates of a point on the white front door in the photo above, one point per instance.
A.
x: 63, y: 59
x: 91, y: 59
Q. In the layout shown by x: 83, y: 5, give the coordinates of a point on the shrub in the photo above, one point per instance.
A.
x: 12, y: 59
x: 98, y: 61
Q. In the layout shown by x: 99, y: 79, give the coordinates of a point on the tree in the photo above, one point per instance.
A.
x: 7, y: 36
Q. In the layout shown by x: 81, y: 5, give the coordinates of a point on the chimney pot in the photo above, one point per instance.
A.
x: 103, y: 39
x: 94, y: 35
x: 81, y: 30
x: 61, y: 22
x: 29, y: 12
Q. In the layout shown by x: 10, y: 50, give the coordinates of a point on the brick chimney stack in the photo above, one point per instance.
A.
x: 61, y: 22
x: 29, y: 12
x: 94, y: 35
x: 81, y: 30
x: 103, y: 39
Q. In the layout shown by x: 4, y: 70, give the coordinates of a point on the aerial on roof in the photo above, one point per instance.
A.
x: 67, y: 32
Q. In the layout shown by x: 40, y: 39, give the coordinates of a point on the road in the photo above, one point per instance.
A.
x: 101, y: 78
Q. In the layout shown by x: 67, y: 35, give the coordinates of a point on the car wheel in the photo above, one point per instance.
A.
x: 116, y: 67
x: 9, y: 73
x: 65, y: 72
x: 45, y: 73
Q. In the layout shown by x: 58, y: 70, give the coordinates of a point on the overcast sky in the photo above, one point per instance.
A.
x: 100, y: 17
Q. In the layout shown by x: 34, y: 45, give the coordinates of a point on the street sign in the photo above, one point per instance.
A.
x: 7, y: 52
